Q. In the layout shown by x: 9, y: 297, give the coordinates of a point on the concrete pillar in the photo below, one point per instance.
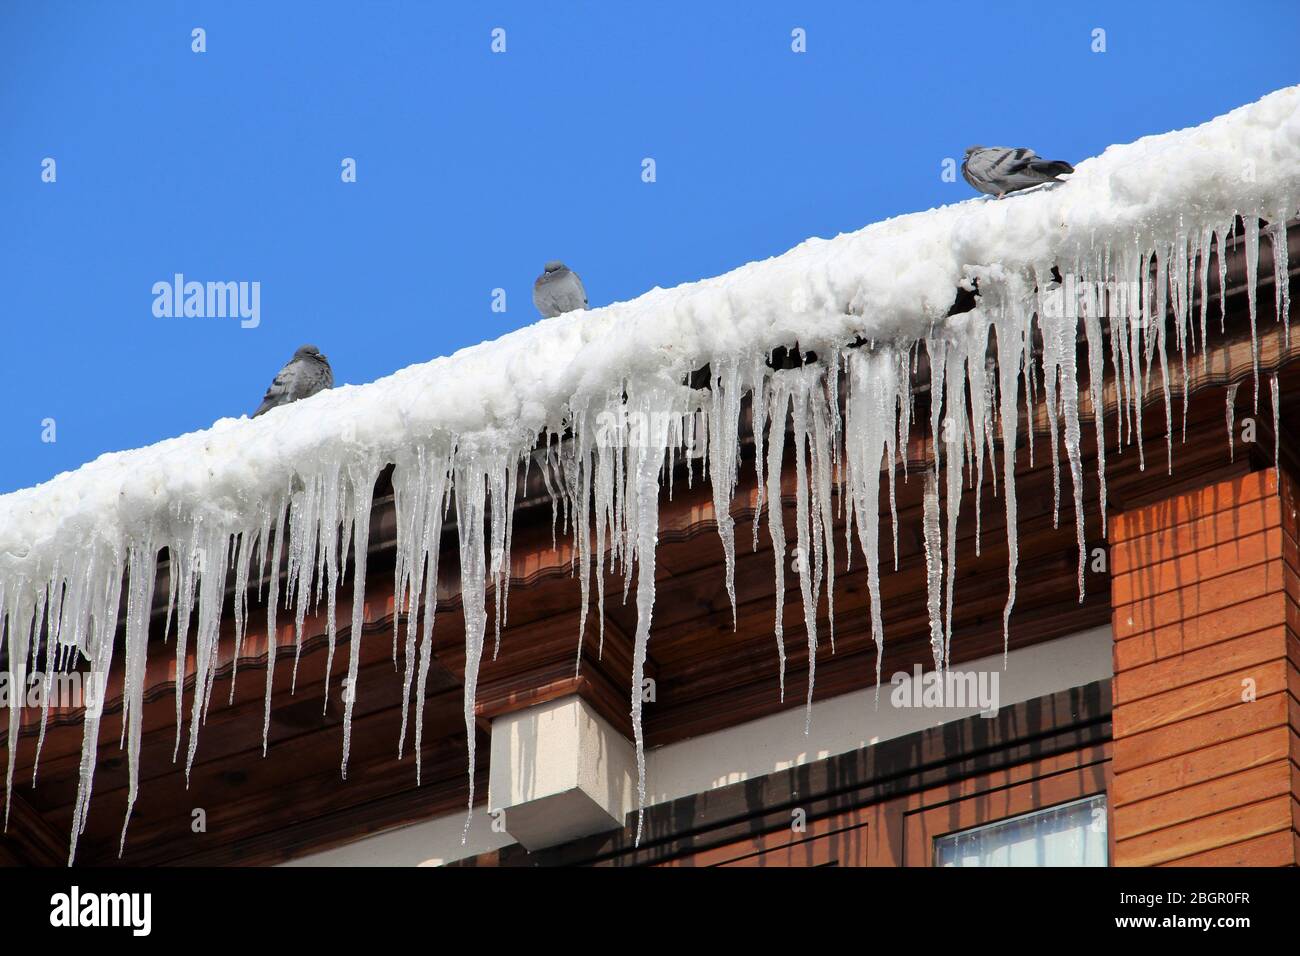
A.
x: 560, y: 771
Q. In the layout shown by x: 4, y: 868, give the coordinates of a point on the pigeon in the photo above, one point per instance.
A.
x: 997, y: 170
x: 558, y: 290
x: 307, y: 373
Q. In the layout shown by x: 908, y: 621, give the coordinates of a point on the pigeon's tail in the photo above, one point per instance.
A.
x: 1051, y: 167
x: 265, y: 407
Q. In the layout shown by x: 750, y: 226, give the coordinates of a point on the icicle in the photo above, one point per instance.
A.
x: 937, y: 350
x: 825, y: 431
x: 501, y: 487
x: 1252, y: 283
x: 304, y: 534
x: 438, y: 477
x: 409, y: 505
x: 1203, y: 261
x: 471, y: 481
x: 1118, y: 304
x: 807, y: 570
x: 402, y: 572
x: 184, y: 557
x: 977, y: 369
x: 934, y: 569
x: 53, y: 625
x: 604, y: 493
x: 902, y: 411
x: 626, y: 520
x: 646, y: 464
x: 241, y: 606
x: 1096, y: 391
x: 1013, y: 353
x: 54, y: 592
x: 1231, y: 399
x: 779, y: 403
x: 1051, y: 378
x: 1059, y: 338
x: 873, y: 400
x: 1180, y: 289
x: 954, y: 463
x: 582, y: 532
x: 331, y: 561
x: 212, y: 592
x: 20, y: 632
x: 362, y: 479
x: 1222, y: 235
x: 143, y: 564
x: 272, y: 604
x: 1277, y: 420
x: 1138, y: 270
x: 1281, y: 271
x: 758, y: 412
x: 723, y: 431
x: 100, y: 610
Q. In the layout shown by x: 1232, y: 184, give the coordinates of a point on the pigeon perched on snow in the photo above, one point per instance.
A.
x: 307, y: 373
x: 997, y: 170
x: 558, y: 290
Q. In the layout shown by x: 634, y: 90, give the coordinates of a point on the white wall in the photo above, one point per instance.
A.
x: 839, y: 725
x: 430, y: 843
x: 853, y: 721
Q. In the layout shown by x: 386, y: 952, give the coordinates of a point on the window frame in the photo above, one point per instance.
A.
x: 1040, y: 811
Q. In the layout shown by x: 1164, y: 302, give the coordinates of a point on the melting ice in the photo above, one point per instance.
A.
x: 597, y: 401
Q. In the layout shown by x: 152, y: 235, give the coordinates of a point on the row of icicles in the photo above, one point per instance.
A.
x: 604, y: 467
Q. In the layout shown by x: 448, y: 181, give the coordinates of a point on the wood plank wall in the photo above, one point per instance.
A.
x: 1206, y: 693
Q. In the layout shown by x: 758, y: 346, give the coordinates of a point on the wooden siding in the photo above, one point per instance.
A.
x: 1204, y: 593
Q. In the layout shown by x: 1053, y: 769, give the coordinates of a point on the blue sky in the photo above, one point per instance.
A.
x: 473, y: 168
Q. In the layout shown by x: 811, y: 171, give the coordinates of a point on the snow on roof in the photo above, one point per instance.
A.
x: 893, y: 280
x: 612, y: 375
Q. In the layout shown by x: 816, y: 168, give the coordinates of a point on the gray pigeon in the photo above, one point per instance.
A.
x: 998, y: 170
x: 307, y: 373
x: 558, y: 290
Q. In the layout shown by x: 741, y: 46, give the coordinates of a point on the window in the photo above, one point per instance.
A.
x: 1071, y: 834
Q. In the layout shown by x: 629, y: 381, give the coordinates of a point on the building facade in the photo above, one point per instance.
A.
x: 1154, y: 720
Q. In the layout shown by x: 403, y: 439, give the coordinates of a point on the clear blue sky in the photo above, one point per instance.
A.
x: 474, y: 168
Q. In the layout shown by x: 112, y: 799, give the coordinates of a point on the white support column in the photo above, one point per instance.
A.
x: 560, y: 771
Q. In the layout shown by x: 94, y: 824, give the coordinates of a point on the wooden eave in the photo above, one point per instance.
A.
x: 709, y: 676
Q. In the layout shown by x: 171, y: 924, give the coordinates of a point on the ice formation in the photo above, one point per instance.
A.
x: 605, y: 390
